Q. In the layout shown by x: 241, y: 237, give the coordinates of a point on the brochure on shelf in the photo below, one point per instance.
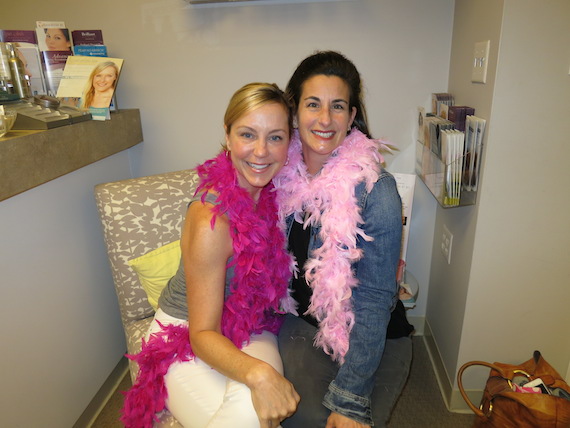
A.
x: 90, y: 50
x: 458, y: 115
x: 88, y: 43
x: 448, y: 160
x: 89, y: 82
x: 87, y: 37
x: 54, y: 42
x: 53, y: 63
x: 474, y: 130
x: 439, y: 99
x: 452, y: 142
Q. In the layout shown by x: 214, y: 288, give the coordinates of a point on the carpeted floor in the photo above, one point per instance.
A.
x: 419, y: 406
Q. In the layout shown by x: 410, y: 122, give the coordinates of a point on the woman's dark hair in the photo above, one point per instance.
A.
x: 330, y: 63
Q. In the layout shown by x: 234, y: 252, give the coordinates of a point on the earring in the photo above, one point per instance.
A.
x: 287, y: 161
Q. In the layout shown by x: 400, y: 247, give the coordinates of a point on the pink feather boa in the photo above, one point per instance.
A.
x: 328, y: 199
x: 262, y: 269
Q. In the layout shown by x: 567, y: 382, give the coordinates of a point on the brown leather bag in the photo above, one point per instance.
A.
x: 501, y: 407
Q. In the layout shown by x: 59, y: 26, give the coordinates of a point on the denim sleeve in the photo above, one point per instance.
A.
x: 373, y: 300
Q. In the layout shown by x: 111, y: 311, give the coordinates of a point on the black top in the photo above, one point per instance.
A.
x: 299, y: 246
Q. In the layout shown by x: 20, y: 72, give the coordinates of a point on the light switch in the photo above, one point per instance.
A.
x: 480, y: 61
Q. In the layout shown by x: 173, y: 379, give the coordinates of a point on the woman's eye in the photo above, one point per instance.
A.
x: 276, y: 138
x: 312, y: 105
x: 338, y: 107
x: 247, y: 135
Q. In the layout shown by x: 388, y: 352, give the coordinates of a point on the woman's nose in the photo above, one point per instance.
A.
x: 260, y: 149
x: 325, y: 116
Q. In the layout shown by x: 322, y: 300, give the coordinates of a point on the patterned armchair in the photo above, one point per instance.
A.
x: 140, y: 215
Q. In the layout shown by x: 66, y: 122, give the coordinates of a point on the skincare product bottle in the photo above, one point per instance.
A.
x: 21, y: 84
x: 5, y: 75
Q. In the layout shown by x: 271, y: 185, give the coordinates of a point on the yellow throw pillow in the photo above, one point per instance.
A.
x: 155, y: 268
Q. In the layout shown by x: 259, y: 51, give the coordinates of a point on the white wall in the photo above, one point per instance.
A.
x: 449, y: 283
x: 520, y: 256
x: 181, y: 66
x: 401, y: 49
x: 506, y: 291
x: 61, y: 330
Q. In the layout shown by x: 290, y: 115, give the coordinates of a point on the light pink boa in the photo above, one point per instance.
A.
x: 329, y: 199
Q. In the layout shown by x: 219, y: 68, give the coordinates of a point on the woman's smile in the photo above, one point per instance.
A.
x: 327, y: 135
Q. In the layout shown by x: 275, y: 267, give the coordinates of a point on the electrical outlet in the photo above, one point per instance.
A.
x: 480, y: 60
x: 446, y: 241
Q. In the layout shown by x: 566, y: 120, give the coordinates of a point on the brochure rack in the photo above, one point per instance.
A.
x: 449, y: 151
x: 438, y: 178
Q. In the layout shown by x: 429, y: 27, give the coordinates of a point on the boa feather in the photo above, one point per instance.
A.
x: 262, y: 267
x: 148, y: 395
x: 329, y: 199
x: 259, y: 288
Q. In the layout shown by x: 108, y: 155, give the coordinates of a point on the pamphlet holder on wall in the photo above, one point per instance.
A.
x: 449, y: 152
x: 448, y: 183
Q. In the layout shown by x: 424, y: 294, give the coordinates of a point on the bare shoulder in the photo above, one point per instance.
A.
x: 203, y: 232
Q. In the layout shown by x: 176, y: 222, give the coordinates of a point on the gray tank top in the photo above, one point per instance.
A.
x: 172, y: 300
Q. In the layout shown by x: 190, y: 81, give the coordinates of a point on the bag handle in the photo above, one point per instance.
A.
x: 477, y: 410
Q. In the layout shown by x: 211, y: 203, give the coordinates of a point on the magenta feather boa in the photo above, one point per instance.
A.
x: 328, y: 199
x: 262, y: 269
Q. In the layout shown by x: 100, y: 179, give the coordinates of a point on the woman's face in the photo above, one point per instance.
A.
x: 105, y: 79
x: 56, y: 41
x: 323, y: 117
x: 258, y: 142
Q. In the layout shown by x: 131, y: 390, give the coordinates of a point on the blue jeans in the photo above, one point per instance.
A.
x: 311, y: 371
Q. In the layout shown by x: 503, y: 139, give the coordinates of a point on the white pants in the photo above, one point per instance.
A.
x: 201, y: 397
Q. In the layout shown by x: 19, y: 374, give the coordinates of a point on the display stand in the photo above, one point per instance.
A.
x: 438, y: 177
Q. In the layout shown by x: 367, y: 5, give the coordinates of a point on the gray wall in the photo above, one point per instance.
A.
x: 181, y: 66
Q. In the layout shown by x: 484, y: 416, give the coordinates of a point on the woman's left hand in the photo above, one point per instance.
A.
x: 337, y: 420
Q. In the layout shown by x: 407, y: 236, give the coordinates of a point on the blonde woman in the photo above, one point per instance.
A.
x: 212, y: 357
x: 100, y: 86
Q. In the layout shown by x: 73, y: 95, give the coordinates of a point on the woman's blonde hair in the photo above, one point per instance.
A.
x: 253, y: 96
x: 89, y: 91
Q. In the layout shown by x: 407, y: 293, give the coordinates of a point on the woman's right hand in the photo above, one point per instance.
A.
x: 205, y: 252
x: 274, y: 397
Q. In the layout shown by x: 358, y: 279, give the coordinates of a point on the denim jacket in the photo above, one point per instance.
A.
x: 373, y: 299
